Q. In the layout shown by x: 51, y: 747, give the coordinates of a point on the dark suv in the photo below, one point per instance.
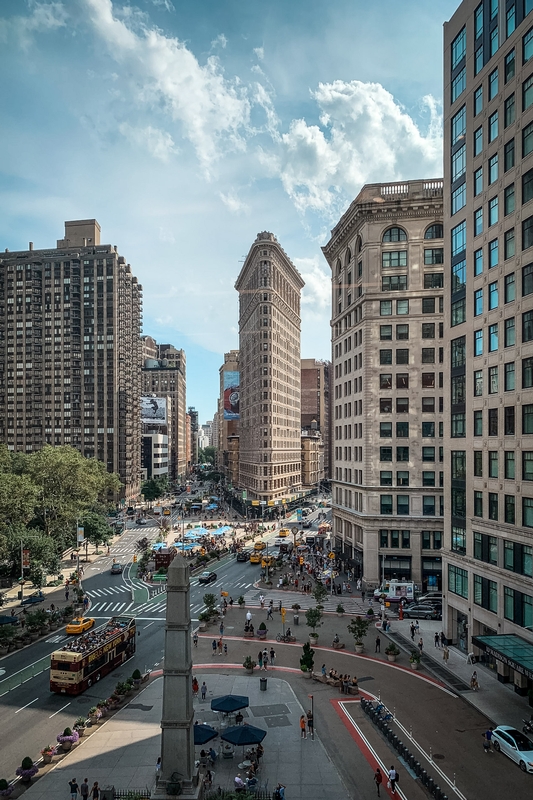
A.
x: 243, y: 555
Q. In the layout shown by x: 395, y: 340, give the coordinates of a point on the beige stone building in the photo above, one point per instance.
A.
x: 316, y: 399
x: 488, y: 168
x: 228, y: 418
x: 312, y: 459
x: 70, y: 351
x: 164, y: 374
x: 386, y: 258
x: 269, y: 287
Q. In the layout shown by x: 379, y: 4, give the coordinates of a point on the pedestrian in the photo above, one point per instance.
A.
x: 378, y: 645
x: 420, y: 645
x: 225, y: 649
x: 279, y: 792
x: 413, y: 631
x: 445, y: 654
x: 265, y: 658
x: 323, y: 670
x: 442, y: 638
x: 378, y: 779
x: 394, y: 778
x: 195, y: 687
x: 358, y: 584
x: 195, y: 639
x: 221, y: 629
x: 487, y: 742
x: 417, y: 626
x: 474, y: 685
x: 302, y: 730
x: 269, y: 612
x: 310, y: 725
x: 67, y: 592
x: 272, y: 656
x: 363, y: 595
x: 74, y: 789
x: 214, y: 646
x: 248, y: 616
x: 95, y: 791
x: 231, y: 602
x: 84, y: 789
x: 219, y: 646
x: 262, y: 601
x: 260, y: 659
x: 203, y: 690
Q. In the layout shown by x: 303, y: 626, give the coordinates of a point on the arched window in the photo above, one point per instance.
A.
x: 338, y: 267
x: 434, y: 231
x: 358, y: 244
x: 347, y: 257
x: 395, y: 235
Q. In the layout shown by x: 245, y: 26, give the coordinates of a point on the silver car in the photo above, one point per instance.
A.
x: 515, y: 745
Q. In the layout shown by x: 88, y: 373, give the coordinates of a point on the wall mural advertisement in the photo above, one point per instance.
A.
x: 231, y: 394
x: 154, y: 410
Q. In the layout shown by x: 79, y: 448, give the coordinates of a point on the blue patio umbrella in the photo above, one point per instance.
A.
x: 229, y: 703
x: 243, y: 735
x: 191, y: 535
x: 204, y: 734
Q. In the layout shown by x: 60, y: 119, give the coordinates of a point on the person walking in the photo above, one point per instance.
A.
x: 265, y: 658
x: 95, y: 791
x: 272, y: 656
x: 378, y: 779
x: 221, y: 629
x: 393, y: 779
x: 260, y: 659
x: 219, y: 646
x: 363, y: 595
x: 445, y: 654
x: 67, y: 592
x: 269, y: 612
x: 225, y: 649
x: 437, y: 639
x: 302, y: 730
x: 195, y: 639
x: 474, y: 685
x: 310, y: 724
x: 195, y: 687
x: 84, y: 789
x: 203, y: 690
x: 487, y: 741
x: 214, y: 646
x: 74, y: 789
x: 420, y: 645
x: 378, y: 645
x: 413, y: 631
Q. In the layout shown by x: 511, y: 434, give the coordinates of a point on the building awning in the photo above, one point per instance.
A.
x: 509, y: 649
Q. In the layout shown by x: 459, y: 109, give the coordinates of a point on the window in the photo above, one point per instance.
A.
x: 383, y: 538
x: 509, y: 66
x: 428, y: 380
x: 493, y: 295
x: 458, y: 581
x: 509, y: 286
x: 493, y: 169
x: 402, y: 430
x: 458, y: 389
x: 527, y: 373
x: 394, y: 258
x: 493, y: 84
x: 458, y: 48
x: 509, y: 332
x: 402, y: 356
x: 402, y: 307
x: 428, y: 405
x: 428, y: 454
x: 527, y: 93
x: 458, y: 276
x: 428, y: 430
x: 458, y: 310
x: 459, y: 163
x: 478, y: 342
x: 385, y: 356
x: 385, y: 405
x: 435, y: 231
x: 402, y: 454
x: 527, y: 186
x: 508, y: 244
x: 458, y: 426
x: 458, y: 129
x: 478, y: 302
x: 478, y: 504
x: 428, y: 305
x: 458, y: 238
x: 385, y: 478
x: 508, y: 199
x: 527, y: 140
x: 428, y: 330
x: 458, y: 539
x: 428, y: 506
x: 428, y: 355
x: 527, y: 326
x: 527, y: 280
x: 493, y: 421
x: 433, y: 256
x: 509, y: 421
x: 508, y: 155
x: 459, y: 84
x: 478, y: 21
x: 402, y: 331
x: 386, y: 503
x: 402, y: 504
x: 385, y: 381
x: 493, y: 126
x: 385, y: 308
x: 458, y: 347
x: 509, y: 377
x: 478, y: 423
x: 527, y: 465
x: 493, y: 506
x: 478, y: 463
x: 527, y: 418
x: 402, y: 405
x: 527, y: 45
x: 478, y: 383
x: 385, y: 332
x: 509, y: 111
x: 394, y: 283
x: 493, y: 211
x: 510, y: 20
x: 493, y: 463
x: 527, y: 512
x: 385, y: 430
x: 398, y: 234
x: 428, y: 478
x: 493, y: 253
x: 402, y: 380
x: 478, y: 262
x: 385, y: 453
x: 478, y: 181
x: 509, y: 470
x: 509, y: 509
x: 478, y: 141
x: 459, y: 198
x: 478, y: 222
x: 486, y: 593
x: 494, y: 40
x: 478, y: 61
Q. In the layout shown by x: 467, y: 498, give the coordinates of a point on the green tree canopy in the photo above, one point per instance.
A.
x: 95, y: 527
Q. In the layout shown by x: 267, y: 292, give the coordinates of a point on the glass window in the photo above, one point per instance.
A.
x: 493, y: 506
x: 527, y: 418
x: 428, y: 478
x: 402, y: 307
x: 493, y: 253
x: 493, y: 295
x: 527, y: 280
x: 458, y: 130
x: 493, y: 126
x: 428, y: 506
x: 458, y: 238
x: 428, y: 305
x: 527, y: 326
x: 402, y: 454
x: 510, y: 20
x: 402, y: 430
x: 434, y: 255
x: 494, y: 41
x: 493, y: 421
x: 402, y: 356
x: 459, y: 83
x: 458, y: 352
x: 402, y: 331
x: 478, y: 221
x: 402, y: 478
x: 509, y: 248
x: 385, y: 405
x: 402, y: 405
x: 428, y: 355
x: 385, y: 332
x: 527, y: 512
x: 509, y: 509
x: 493, y: 211
x: 478, y: 504
x: 527, y: 465
x: 493, y: 169
x: 478, y: 141
x: 510, y: 65
x: 478, y: 21
x: 509, y: 421
x: 478, y: 463
x: 509, y: 377
x: 458, y: 539
x: 478, y: 302
x: 428, y: 330
x: 478, y: 383
x: 398, y: 234
x: 493, y: 84
x: 508, y: 199
x: 385, y: 453
x: 458, y: 48
x: 527, y: 45
x: 459, y: 163
x: 509, y: 111
x: 386, y: 503
x: 509, y: 284
x: 478, y: 262
x: 428, y: 430
x: 459, y: 198
x: 478, y: 181
x: 527, y: 233
x: 385, y: 478
x: 435, y: 231
x: 394, y: 258
x: 493, y: 380
x: 493, y: 9
x: 383, y: 538
x: 478, y: 64
x: 428, y: 380
x: 394, y: 283
x: 458, y: 426
x: 385, y: 356
x: 509, y: 332
x: 385, y: 381
x: 509, y: 465
x: 402, y: 504
x: 478, y: 342
x: 508, y: 155
x: 478, y: 423
x: 493, y: 463
x: 478, y: 100
x: 458, y: 314
x: 428, y: 454
x: 385, y: 308
x: 527, y: 186
x: 428, y: 405
x: 527, y: 93
x: 527, y: 140
x: 402, y: 380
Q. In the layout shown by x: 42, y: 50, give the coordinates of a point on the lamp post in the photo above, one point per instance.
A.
x: 312, y: 715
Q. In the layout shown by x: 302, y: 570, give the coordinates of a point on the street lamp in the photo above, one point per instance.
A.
x: 312, y: 715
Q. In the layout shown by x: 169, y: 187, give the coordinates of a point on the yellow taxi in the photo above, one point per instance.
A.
x: 166, y: 512
x: 284, y: 532
x: 259, y: 546
x: 255, y: 558
x: 268, y: 561
x: 79, y: 625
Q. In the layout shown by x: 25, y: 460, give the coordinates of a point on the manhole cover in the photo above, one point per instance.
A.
x: 438, y: 756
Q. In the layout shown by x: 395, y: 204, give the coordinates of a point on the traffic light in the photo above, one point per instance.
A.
x: 301, y: 559
x: 135, y: 558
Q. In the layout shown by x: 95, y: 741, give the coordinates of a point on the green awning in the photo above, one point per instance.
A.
x: 510, y: 649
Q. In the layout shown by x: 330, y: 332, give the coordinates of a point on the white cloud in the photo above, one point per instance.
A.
x: 158, y: 143
x: 233, y: 202
x: 365, y: 136
x: 260, y: 53
x: 316, y: 294
x: 44, y: 17
x: 220, y: 41
x: 209, y: 108
x: 165, y: 4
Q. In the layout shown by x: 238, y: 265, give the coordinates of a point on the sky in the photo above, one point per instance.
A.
x: 185, y: 127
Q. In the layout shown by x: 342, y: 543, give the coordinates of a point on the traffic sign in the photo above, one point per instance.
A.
x: 331, y: 555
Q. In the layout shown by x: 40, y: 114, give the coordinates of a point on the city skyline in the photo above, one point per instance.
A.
x: 263, y: 142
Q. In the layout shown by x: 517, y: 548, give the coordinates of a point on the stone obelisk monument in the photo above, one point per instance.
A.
x: 177, y: 738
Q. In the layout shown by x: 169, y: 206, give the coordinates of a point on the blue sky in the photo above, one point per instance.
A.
x: 187, y: 127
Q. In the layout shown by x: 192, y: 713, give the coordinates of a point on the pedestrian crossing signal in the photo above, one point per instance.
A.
x: 135, y: 559
x: 301, y: 559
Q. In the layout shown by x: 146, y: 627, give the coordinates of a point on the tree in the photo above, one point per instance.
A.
x: 320, y: 593
x: 45, y: 555
x: 96, y: 529
x: 313, y: 617
x: 358, y: 627
x: 18, y: 499
x: 151, y: 490
x: 209, y: 454
x: 307, y: 659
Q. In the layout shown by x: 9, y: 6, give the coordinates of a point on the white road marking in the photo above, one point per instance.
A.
x: 57, y: 712
x: 27, y: 704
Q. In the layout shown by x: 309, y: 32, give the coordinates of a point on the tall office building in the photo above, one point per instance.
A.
x: 316, y: 391
x: 193, y: 438
x: 228, y: 416
x: 164, y: 374
x: 386, y: 258
x: 488, y: 167
x: 70, y: 351
x: 269, y: 287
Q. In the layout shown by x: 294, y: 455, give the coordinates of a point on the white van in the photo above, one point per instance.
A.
x: 396, y: 591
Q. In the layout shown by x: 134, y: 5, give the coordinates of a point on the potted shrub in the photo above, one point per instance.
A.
x: 47, y: 753
x: 340, y: 610
x: 313, y: 617
x: 240, y: 601
x: 358, y: 627
x: 249, y: 664
x: 102, y: 708
x: 7, y: 636
x: 80, y: 725
x: 27, y: 770
x: 296, y: 617
x: 414, y: 659
x: 136, y: 678
x: 5, y: 788
x: 204, y: 619
x: 320, y: 593
x: 370, y: 613
x: 128, y: 683
x: 307, y: 660
x: 392, y: 652
x: 94, y: 715
x: 113, y: 702
x: 262, y: 631
x: 68, y: 613
x: 67, y: 739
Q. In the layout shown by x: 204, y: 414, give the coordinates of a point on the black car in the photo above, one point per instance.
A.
x: 207, y: 577
x: 243, y: 555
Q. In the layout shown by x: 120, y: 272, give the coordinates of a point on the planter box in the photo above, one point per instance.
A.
x: 306, y: 674
x: 414, y: 664
x: 391, y: 657
x: 47, y: 758
x: 313, y: 640
x: 359, y: 648
x: 66, y: 746
x: 261, y: 634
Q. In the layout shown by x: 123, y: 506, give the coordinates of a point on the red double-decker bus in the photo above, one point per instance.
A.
x: 82, y: 662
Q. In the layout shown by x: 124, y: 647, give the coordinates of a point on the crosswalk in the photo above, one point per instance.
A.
x: 351, y: 605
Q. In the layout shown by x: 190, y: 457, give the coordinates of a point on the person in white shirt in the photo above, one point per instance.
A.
x: 393, y: 778
x: 239, y: 783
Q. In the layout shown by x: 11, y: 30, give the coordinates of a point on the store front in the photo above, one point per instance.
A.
x: 461, y: 632
x: 513, y: 657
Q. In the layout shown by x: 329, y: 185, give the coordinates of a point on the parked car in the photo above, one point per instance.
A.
x: 141, y: 521
x: 243, y: 555
x: 116, y: 569
x: 32, y: 599
x: 515, y: 745
x: 207, y: 577
x: 79, y: 625
x: 421, y: 611
x: 430, y: 597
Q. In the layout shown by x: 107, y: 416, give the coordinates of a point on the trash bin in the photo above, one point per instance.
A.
x: 19, y: 595
x: 296, y: 619
x: 263, y: 684
x: 108, y: 793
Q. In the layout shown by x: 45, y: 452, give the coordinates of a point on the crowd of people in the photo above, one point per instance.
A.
x: 96, y: 638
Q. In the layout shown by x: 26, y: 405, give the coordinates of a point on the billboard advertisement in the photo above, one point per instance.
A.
x: 231, y: 394
x: 154, y: 410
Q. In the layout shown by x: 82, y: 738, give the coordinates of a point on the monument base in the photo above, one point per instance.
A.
x: 192, y: 789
